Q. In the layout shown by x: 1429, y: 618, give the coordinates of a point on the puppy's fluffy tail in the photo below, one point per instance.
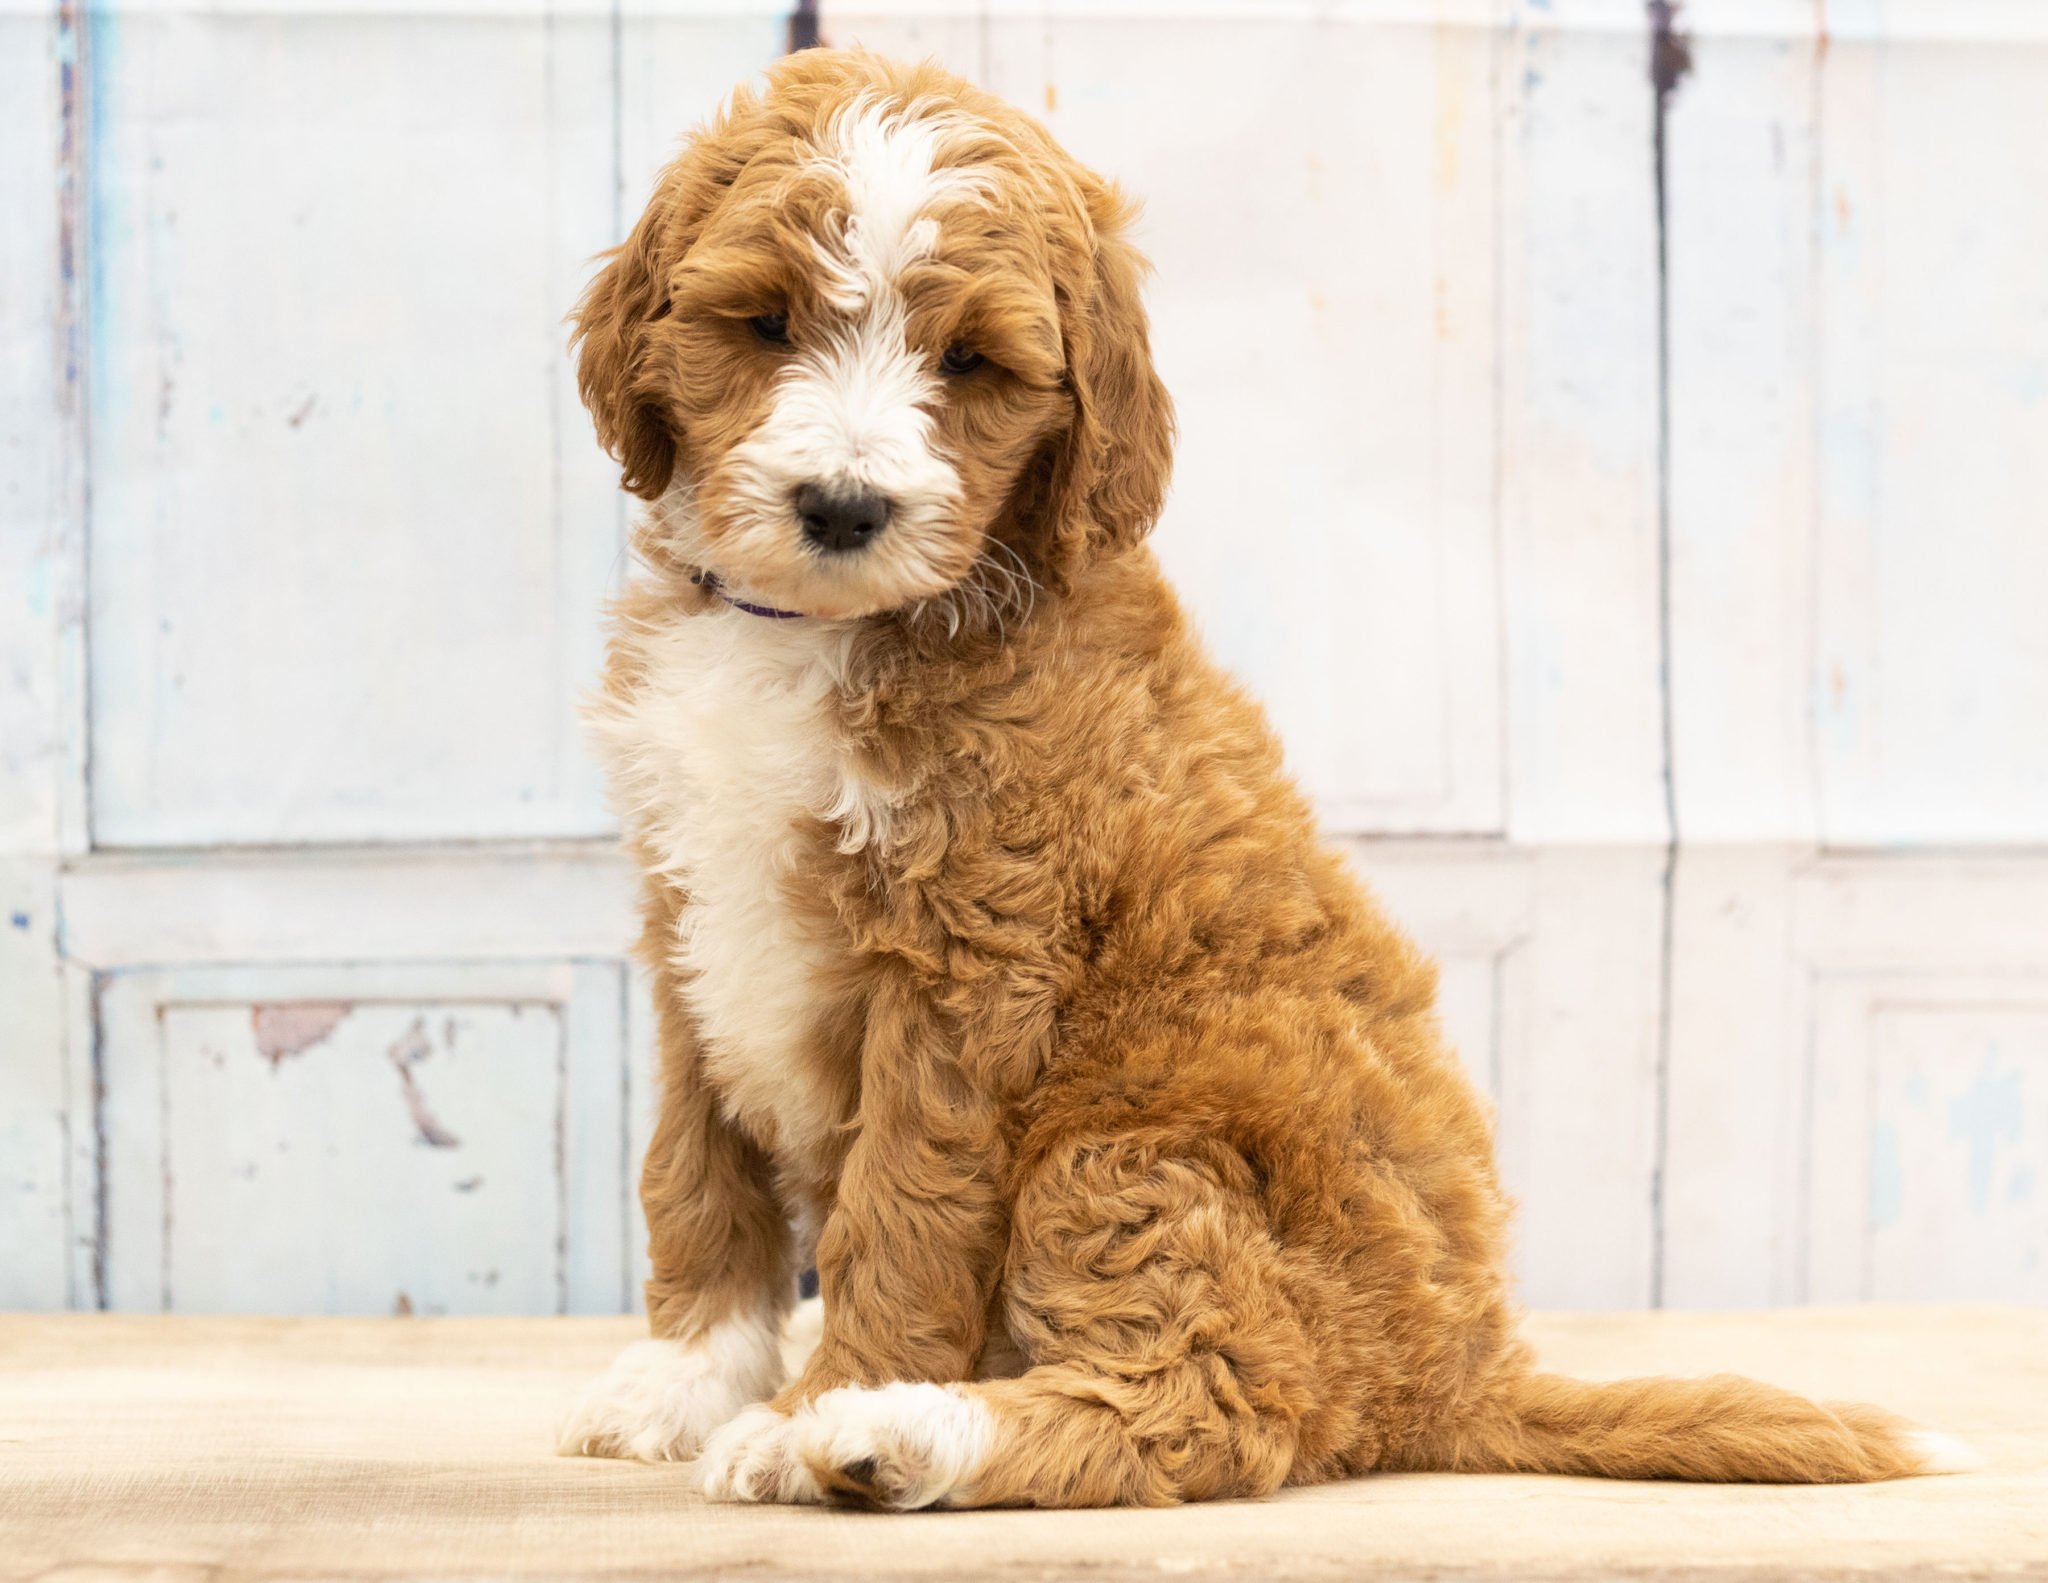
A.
x: 1724, y: 1429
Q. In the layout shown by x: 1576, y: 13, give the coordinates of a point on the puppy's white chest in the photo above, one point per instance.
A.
x: 724, y: 757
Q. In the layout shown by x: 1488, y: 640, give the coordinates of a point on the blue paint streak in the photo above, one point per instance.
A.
x: 1887, y: 1177
x: 1984, y: 1116
x: 19, y: 920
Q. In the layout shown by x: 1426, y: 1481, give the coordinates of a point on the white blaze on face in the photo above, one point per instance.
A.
x: 852, y: 410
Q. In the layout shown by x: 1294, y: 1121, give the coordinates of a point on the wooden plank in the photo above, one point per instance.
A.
x: 1578, y: 1103
x: 349, y: 541
x: 1902, y: 915
x: 1932, y: 669
x: 39, y: 610
x: 507, y: 903
x: 84, y: 1138
x: 38, y: 385
x: 1742, y: 173
x: 1579, y: 452
x: 35, y: 1112
x: 592, y: 1139
x: 1737, y: 1080
x: 354, y: 1140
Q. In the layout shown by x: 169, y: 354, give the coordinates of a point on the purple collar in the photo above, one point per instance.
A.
x: 708, y: 581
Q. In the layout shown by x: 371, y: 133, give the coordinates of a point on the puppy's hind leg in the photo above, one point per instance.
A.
x: 1168, y: 1367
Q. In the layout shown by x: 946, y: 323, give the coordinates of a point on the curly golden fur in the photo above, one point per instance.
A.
x: 992, y: 948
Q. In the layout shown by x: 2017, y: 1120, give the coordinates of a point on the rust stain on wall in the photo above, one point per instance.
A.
x: 294, y: 1027
x: 412, y: 1048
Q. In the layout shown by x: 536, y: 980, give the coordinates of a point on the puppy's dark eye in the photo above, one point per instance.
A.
x: 960, y: 360
x: 770, y: 327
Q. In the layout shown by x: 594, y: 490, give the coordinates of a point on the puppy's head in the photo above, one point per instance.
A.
x: 871, y: 320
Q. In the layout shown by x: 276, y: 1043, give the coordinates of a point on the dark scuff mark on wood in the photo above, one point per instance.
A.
x: 1670, y: 53
x: 294, y: 1027
x: 304, y: 411
x: 803, y: 26
x: 411, y: 1049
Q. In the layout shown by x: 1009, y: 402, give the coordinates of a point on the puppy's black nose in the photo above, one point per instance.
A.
x: 840, y: 519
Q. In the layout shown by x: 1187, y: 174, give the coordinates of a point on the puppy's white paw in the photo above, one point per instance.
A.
x: 900, y: 1446
x: 754, y: 1458
x: 661, y: 1399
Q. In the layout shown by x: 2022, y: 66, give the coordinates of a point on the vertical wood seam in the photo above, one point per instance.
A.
x: 1670, y: 60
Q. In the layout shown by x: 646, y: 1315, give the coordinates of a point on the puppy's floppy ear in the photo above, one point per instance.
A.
x: 614, y: 335
x: 1110, y: 470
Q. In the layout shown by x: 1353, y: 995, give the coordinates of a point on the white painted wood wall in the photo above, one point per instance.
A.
x: 1652, y: 593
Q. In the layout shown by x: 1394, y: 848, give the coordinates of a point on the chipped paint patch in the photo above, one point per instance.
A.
x: 412, y: 1048
x: 294, y: 1027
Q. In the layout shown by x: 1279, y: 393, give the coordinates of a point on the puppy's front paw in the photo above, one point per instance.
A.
x: 899, y: 1446
x: 661, y: 1399
x: 754, y: 1458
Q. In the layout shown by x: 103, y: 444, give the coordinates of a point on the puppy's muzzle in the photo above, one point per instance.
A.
x: 840, y: 520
